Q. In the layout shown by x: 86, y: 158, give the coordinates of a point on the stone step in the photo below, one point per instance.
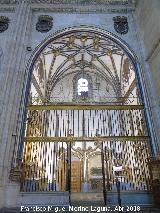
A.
x: 87, y: 203
x: 87, y: 199
x: 87, y: 196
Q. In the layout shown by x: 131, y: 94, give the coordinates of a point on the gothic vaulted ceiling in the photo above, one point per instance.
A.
x: 83, y: 53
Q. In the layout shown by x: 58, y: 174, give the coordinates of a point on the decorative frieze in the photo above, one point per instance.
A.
x: 108, y: 2
x: 8, y: 1
x: 83, y: 10
x: 74, y: 6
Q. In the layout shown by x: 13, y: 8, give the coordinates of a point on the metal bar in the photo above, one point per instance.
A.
x: 103, y: 173
x: 67, y: 169
x: 85, y: 107
x: 118, y: 192
x: 131, y: 88
x: 107, y: 172
x: 101, y: 138
x: 70, y: 172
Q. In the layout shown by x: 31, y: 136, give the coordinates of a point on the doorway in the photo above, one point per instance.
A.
x: 86, y: 167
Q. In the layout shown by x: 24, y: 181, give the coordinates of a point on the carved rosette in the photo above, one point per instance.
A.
x: 44, y: 23
x: 121, y: 24
x: 4, y: 23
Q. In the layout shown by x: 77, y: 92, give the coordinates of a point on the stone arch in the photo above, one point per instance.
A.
x: 125, y: 47
x: 125, y: 129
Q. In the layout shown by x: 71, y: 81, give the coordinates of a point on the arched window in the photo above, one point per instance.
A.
x: 82, y: 88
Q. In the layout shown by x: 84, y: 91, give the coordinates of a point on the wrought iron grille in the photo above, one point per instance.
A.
x: 127, y: 162
x: 64, y: 134
x: 45, y: 167
x: 125, y: 121
x: 62, y: 143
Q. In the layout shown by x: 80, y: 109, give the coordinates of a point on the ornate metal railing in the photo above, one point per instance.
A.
x: 45, y: 167
x: 127, y: 162
x: 85, y: 120
x: 61, y: 141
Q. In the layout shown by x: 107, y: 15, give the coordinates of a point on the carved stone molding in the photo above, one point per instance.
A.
x: 108, y: 2
x: 74, y: 6
x: 8, y: 1
x: 91, y: 6
x: 82, y: 10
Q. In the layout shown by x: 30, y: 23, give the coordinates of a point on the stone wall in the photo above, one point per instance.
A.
x: 148, y: 19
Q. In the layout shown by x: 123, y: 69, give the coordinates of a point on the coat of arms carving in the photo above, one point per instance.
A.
x: 44, y: 23
x: 4, y: 23
x: 121, y: 24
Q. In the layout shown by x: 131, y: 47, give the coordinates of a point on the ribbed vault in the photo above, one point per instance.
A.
x: 112, y: 72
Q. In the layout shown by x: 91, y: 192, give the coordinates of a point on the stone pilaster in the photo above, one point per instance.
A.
x: 151, y: 102
x: 11, y: 88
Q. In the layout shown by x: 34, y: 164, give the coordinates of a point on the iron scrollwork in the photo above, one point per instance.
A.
x: 44, y: 23
x: 4, y: 23
x: 121, y: 24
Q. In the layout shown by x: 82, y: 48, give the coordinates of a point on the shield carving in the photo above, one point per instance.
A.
x: 4, y: 23
x: 44, y: 23
x: 121, y: 24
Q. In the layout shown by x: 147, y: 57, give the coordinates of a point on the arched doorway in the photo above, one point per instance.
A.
x: 85, y: 126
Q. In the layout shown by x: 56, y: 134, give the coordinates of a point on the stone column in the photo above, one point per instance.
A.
x: 10, y: 95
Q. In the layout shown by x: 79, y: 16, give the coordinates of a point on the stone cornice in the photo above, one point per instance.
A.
x: 80, y: 9
x: 86, y: 2
x: 77, y: 2
x: 7, y: 8
x: 74, y: 6
x: 8, y: 2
